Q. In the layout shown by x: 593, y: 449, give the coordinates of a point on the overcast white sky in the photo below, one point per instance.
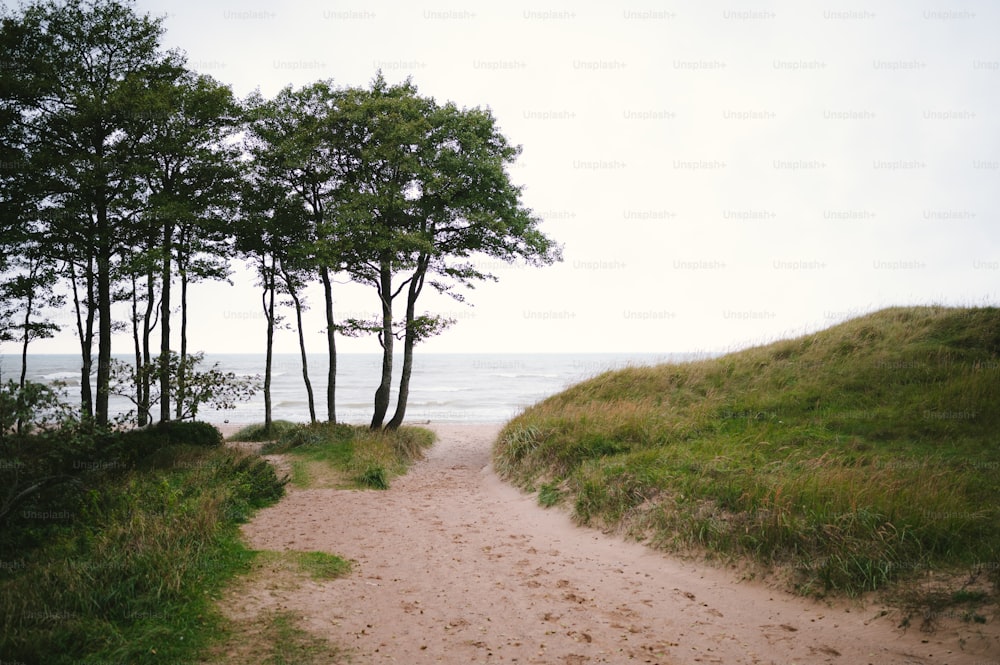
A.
x: 720, y: 173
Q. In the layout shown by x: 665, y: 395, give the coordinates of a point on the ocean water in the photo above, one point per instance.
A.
x: 472, y: 388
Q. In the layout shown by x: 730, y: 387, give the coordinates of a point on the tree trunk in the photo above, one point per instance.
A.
x: 409, y: 341
x: 25, y: 340
x: 331, y: 344
x: 167, y: 249
x: 293, y: 292
x: 268, y: 304
x: 103, y: 316
x: 386, y: 338
x: 147, y: 331
x: 86, y: 335
x: 182, y: 258
x: 140, y: 416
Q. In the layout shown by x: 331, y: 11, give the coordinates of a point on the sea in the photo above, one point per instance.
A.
x: 460, y: 388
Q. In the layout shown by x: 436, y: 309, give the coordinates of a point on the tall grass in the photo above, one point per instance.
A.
x: 859, y: 455
x: 361, y: 456
x: 130, y: 573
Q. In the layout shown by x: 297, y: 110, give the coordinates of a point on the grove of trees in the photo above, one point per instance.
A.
x: 125, y: 177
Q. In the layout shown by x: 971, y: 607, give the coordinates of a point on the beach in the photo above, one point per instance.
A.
x: 452, y: 565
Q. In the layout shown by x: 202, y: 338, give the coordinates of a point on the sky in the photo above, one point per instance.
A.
x: 719, y: 174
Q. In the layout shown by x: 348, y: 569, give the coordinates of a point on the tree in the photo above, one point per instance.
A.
x: 293, y: 283
x: 70, y: 76
x: 382, y: 128
x: 430, y: 192
x: 189, y: 175
x: 270, y: 222
x: 296, y: 141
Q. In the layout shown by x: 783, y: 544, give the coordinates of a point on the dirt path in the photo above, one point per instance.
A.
x: 454, y: 566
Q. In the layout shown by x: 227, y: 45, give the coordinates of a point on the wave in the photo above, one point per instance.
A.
x: 61, y: 376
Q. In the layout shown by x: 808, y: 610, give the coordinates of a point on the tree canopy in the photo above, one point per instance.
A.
x: 134, y: 172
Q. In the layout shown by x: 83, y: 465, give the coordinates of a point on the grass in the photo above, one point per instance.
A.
x: 131, y: 572
x: 322, y: 566
x: 124, y: 561
x: 258, y: 432
x: 276, y: 636
x: 328, y: 454
x: 857, y: 457
x: 285, y: 643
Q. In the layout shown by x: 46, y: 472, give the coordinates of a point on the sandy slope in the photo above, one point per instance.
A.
x: 454, y: 566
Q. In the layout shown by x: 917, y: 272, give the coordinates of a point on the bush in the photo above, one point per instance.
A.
x: 192, y: 433
x: 258, y: 432
x: 130, y: 577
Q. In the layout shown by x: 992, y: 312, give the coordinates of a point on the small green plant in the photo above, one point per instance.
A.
x: 549, y: 495
x: 374, y: 477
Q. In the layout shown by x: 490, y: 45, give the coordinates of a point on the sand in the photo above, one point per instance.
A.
x: 452, y: 565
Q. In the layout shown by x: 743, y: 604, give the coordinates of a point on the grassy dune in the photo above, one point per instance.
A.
x: 856, y: 456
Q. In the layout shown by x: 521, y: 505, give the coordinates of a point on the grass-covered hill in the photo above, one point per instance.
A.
x: 858, y: 455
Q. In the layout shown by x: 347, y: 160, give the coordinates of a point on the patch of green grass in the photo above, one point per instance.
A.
x: 323, y: 566
x: 374, y: 477
x: 857, y: 456
x: 549, y: 495
x: 362, y: 457
x: 274, y: 637
x: 288, y: 644
x: 258, y: 432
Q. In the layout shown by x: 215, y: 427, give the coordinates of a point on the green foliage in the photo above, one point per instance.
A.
x: 129, y: 574
x: 189, y: 386
x: 134, y: 445
x: 191, y: 433
x: 859, y: 455
x: 29, y: 407
x: 549, y: 495
x: 374, y: 477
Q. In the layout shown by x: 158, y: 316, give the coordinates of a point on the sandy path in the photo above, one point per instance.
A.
x: 455, y: 566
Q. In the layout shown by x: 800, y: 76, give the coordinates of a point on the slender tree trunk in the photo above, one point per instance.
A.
x: 103, y: 314
x: 293, y: 292
x: 409, y: 341
x: 25, y: 340
x: 140, y: 416
x: 331, y: 345
x: 147, y: 330
x: 386, y: 338
x: 182, y: 366
x: 167, y: 249
x: 85, y: 332
x: 268, y: 303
